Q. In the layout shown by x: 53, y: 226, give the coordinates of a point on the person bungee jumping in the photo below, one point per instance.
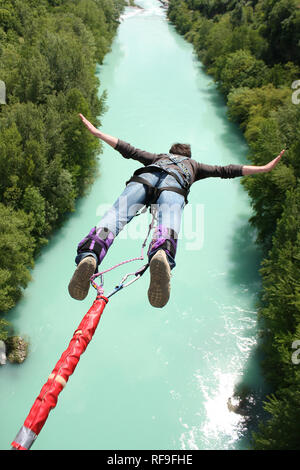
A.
x: 165, y: 181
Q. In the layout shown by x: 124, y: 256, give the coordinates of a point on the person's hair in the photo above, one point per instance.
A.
x: 181, y: 149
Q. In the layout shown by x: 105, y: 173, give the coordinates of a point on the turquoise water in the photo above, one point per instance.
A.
x: 151, y: 378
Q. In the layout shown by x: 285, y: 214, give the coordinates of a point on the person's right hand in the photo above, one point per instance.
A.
x: 110, y: 140
x: 89, y: 125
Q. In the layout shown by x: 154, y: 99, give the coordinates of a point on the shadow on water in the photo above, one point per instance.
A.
x: 250, y: 392
x: 248, y: 399
x: 232, y: 137
x: 245, y: 255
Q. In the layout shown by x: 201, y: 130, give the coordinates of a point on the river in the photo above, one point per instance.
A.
x: 151, y: 378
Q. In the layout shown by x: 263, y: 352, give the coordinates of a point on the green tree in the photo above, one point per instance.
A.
x: 11, y: 157
x: 4, y: 324
x: 34, y: 204
x: 241, y: 69
x: 58, y: 191
x: 246, y: 104
x: 34, y: 82
x: 16, y: 255
x: 282, y: 30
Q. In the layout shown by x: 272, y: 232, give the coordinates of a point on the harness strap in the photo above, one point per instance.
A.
x: 153, y: 193
x: 177, y: 160
x: 97, y: 241
x: 153, y: 169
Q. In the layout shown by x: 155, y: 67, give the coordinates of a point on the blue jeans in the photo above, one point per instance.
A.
x: 169, y: 207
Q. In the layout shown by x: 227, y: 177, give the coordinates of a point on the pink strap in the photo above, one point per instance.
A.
x: 139, y: 258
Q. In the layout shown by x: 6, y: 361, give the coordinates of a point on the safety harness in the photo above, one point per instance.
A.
x: 153, y: 193
x: 99, y: 240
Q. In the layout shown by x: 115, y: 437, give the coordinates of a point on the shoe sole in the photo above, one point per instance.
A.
x: 159, y: 289
x: 80, y: 282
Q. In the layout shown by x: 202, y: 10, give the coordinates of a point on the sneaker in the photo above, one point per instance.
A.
x: 160, y: 274
x: 80, y: 282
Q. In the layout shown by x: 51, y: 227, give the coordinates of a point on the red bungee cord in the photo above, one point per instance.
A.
x: 65, y: 367
x: 47, y: 399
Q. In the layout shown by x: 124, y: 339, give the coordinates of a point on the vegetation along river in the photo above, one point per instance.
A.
x: 151, y: 378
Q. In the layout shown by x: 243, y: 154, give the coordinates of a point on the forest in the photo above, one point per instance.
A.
x: 252, y: 51
x: 49, y: 50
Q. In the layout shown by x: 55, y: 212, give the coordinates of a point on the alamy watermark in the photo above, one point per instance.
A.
x: 296, y: 93
x: 187, y: 224
x: 2, y: 92
x: 296, y: 354
x: 296, y: 344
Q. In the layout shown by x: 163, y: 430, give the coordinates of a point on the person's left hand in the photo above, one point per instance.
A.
x: 273, y: 163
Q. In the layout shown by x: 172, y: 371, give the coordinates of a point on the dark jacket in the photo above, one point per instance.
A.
x: 197, y: 170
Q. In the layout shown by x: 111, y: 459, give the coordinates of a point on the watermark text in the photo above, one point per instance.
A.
x: 296, y: 93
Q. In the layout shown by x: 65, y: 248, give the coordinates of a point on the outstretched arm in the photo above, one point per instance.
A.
x: 112, y: 141
x: 125, y: 149
x: 251, y: 170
